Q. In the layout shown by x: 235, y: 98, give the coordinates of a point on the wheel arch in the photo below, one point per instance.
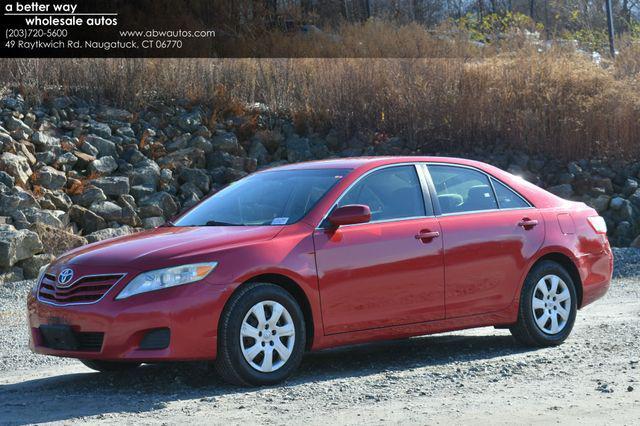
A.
x: 568, y: 264
x: 293, y: 288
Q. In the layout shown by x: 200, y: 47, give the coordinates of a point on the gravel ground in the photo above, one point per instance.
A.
x: 478, y: 376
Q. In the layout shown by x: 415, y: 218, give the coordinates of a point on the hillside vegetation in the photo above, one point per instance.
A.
x: 458, y: 94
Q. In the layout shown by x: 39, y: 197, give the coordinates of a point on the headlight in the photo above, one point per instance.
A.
x: 43, y: 270
x: 165, y: 278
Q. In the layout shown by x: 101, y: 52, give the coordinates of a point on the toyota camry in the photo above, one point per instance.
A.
x: 321, y: 254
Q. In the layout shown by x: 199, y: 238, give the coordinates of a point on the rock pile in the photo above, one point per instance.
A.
x: 74, y: 172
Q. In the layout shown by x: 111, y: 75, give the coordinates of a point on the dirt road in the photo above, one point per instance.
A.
x: 478, y: 376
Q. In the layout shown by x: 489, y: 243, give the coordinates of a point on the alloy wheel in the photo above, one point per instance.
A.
x: 267, y: 336
x: 551, y: 304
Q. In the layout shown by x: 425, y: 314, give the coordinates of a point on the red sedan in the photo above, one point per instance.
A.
x: 321, y: 254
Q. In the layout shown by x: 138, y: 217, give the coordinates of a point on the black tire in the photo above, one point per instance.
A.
x: 526, y: 331
x: 231, y: 363
x: 109, y: 366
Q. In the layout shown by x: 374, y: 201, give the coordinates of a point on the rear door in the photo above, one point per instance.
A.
x: 490, y: 235
x: 389, y: 271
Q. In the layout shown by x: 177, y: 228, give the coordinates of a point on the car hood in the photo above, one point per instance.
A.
x: 163, y: 246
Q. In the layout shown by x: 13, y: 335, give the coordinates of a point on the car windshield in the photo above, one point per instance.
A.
x: 279, y: 197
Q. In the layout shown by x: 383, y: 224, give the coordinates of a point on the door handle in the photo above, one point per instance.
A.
x: 427, y: 235
x: 527, y: 223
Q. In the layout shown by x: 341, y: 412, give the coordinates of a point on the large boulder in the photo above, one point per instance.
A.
x: 129, y: 216
x: 59, y: 199
x: 44, y: 142
x: 226, y: 142
x: 623, y: 234
x: 107, y: 210
x: 50, y: 178
x: 635, y: 198
x: 188, y: 157
x: 202, y: 143
x: 103, y: 166
x: 66, y: 161
x: 181, y: 142
x: 139, y: 191
x: 622, y: 210
x: 108, y: 233
x: 197, y: 177
x: 298, y: 149
x: 89, y: 149
x: 16, y: 199
x: 11, y: 275
x: 17, y: 245
x: 91, y: 194
x: 83, y: 160
x: 153, y: 222
x: 601, y: 203
x: 14, y: 124
x: 31, y: 267
x: 113, y: 186
x: 8, y: 203
x: 110, y: 114
x: 189, y: 121
x: 146, y: 172
x: 630, y: 186
x: 7, y: 179
x: 218, y: 159
x: 86, y: 219
x: 5, y: 138
x: 564, y: 190
x: 163, y: 200
x: 150, y: 210
x: 105, y: 147
x: 16, y: 166
x: 617, y: 203
x: 53, y: 218
x: 57, y: 241
x: 100, y: 129
x: 259, y: 152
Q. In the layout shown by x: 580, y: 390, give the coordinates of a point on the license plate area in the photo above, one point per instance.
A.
x: 59, y: 337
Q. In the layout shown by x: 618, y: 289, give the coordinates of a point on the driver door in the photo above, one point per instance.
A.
x: 381, y: 273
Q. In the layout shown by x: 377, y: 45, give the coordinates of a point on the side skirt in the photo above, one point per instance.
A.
x: 500, y: 319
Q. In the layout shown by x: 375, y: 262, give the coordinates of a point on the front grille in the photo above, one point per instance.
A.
x: 87, y: 289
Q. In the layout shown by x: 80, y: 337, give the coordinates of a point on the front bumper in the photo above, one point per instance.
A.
x: 190, y: 312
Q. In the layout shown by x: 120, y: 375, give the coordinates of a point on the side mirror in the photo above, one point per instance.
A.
x: 350, y: 215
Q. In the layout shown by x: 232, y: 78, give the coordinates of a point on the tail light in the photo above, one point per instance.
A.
x: 598, y: 224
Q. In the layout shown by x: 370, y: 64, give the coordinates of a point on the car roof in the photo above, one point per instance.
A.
x: 371, y: 162
x: 535, y: 195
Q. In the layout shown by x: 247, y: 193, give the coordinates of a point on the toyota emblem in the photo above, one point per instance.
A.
x: 65, y: 277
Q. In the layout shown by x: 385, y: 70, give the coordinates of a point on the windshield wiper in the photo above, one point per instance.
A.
x: 218, y: 223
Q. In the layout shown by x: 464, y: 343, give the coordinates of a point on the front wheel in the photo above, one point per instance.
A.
x: 548, y: 306
x: 108, y: 366
x: 261, y: 336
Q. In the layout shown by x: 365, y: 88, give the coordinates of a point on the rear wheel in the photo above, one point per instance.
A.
x: 106, y: 366
x: 548, y: 306
x: 261, y: 336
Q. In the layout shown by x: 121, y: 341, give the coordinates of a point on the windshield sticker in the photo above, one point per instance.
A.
x: 280, y: 221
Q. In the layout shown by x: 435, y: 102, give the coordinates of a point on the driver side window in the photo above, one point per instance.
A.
x: 390, y: 193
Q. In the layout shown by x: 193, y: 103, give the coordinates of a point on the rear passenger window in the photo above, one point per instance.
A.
x: 390, y: 193
x: 460, y: 189
x: 507, y: 198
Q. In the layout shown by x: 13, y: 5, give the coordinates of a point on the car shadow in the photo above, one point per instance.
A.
x: 151, y: 387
